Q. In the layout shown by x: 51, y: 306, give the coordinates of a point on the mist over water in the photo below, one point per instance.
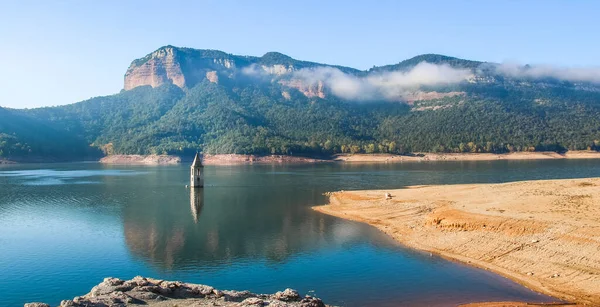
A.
x: 64, y: 227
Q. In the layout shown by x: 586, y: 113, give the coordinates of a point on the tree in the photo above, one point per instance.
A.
x: 392, y: 147
x: 370, y: 148
x: 328, y: 146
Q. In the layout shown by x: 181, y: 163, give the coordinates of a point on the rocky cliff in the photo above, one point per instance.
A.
x: 161, y: 67
x: 185, y: 67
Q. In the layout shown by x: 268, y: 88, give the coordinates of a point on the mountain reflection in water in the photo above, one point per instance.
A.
x: 65, y: 227
x: 225, y: 223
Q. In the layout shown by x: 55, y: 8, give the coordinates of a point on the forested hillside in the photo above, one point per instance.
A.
x: 26, y: 139
x: 277, y: 105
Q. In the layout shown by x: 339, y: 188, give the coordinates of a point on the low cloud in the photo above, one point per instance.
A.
x: 572, y: 74
x: 253, y: 70
x: 384, y: 85
x: 398, y: 85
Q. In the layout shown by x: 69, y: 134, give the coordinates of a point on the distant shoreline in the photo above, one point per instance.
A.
x: 543, y: 234
x: 542, y: 155
x: 226, y: 159
x: 232, y: 159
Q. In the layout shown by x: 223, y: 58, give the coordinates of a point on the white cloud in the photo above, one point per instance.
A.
x: 384, y: 85
x: 572, y: 74
x: 252, y: 70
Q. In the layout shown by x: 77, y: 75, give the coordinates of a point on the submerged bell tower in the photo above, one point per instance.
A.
x: 197, y: 173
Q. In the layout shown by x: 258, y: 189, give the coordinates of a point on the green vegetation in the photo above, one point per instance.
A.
x: 238, y: 116
x: 429, y: 58
x: 26, y: 139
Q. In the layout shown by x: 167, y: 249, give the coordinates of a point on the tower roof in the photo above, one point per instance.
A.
x: 197, y: 161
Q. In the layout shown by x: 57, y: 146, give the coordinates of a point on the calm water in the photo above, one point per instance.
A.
x: 64, y: 227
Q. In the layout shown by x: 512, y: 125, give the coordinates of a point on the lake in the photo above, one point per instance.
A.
x: 64, y: 227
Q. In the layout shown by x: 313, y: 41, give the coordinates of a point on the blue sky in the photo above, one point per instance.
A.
x: 61, y: 52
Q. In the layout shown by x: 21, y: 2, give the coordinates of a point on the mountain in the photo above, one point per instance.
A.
x: 429, y: 58
x: 186, y: 67
x: 27, y: 139
x: 180, y: 100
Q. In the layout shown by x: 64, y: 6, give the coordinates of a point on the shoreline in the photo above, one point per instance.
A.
x: 544, y: 234
x: 235, y: 159
x: 420, y: 157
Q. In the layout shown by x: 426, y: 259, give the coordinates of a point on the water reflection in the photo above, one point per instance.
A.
x: 252, y: 228
x: 196, y: 202
x: 249, y: 228
x: 234, y: 222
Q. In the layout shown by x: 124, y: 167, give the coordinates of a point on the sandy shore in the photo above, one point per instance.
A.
x: 542, y: 234
x: 467, y: 156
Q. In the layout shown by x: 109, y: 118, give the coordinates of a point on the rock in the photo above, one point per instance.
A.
x: 115, y: 292
x: 162, y: 66
x: 68, y: 303
x: 252, y: 301
x: 111, y: 281
x: 236, y: 296
x: 140, y: 281
x: 287, y: 295
x: 212, y: 76
x: 203, y: 290
x: 144, y: 295
x: 311, y: 302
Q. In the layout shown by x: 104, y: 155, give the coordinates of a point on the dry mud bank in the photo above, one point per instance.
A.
x: 232, y: 159
x: 467, y: 156
x: 543, y: 234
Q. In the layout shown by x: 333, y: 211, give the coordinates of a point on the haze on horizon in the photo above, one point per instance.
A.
x: 64, y: 52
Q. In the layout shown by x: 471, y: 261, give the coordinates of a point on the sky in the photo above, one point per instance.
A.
x: 62, y: 52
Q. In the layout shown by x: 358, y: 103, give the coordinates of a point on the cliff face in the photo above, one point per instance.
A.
x: 185, y: 67
x: 161, y: 67
x: 181, y: 66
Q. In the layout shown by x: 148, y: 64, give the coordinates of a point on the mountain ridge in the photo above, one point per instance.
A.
x: 181, y: 100
x: 172, y: 65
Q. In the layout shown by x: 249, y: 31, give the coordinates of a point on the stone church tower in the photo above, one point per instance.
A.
x: 197, y: 173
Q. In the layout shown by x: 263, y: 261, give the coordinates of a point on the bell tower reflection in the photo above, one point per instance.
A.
x: 196, y: 203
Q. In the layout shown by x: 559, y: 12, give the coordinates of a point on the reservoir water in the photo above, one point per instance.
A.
x: 64, y: 227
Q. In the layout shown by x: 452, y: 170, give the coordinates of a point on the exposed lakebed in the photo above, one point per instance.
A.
x: 64, y: 227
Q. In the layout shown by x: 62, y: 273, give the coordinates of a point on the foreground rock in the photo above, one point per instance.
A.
x: 544, y: 234
x: 158, y: 293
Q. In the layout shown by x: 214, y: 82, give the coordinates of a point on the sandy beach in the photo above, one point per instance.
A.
x: 543, y: 234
